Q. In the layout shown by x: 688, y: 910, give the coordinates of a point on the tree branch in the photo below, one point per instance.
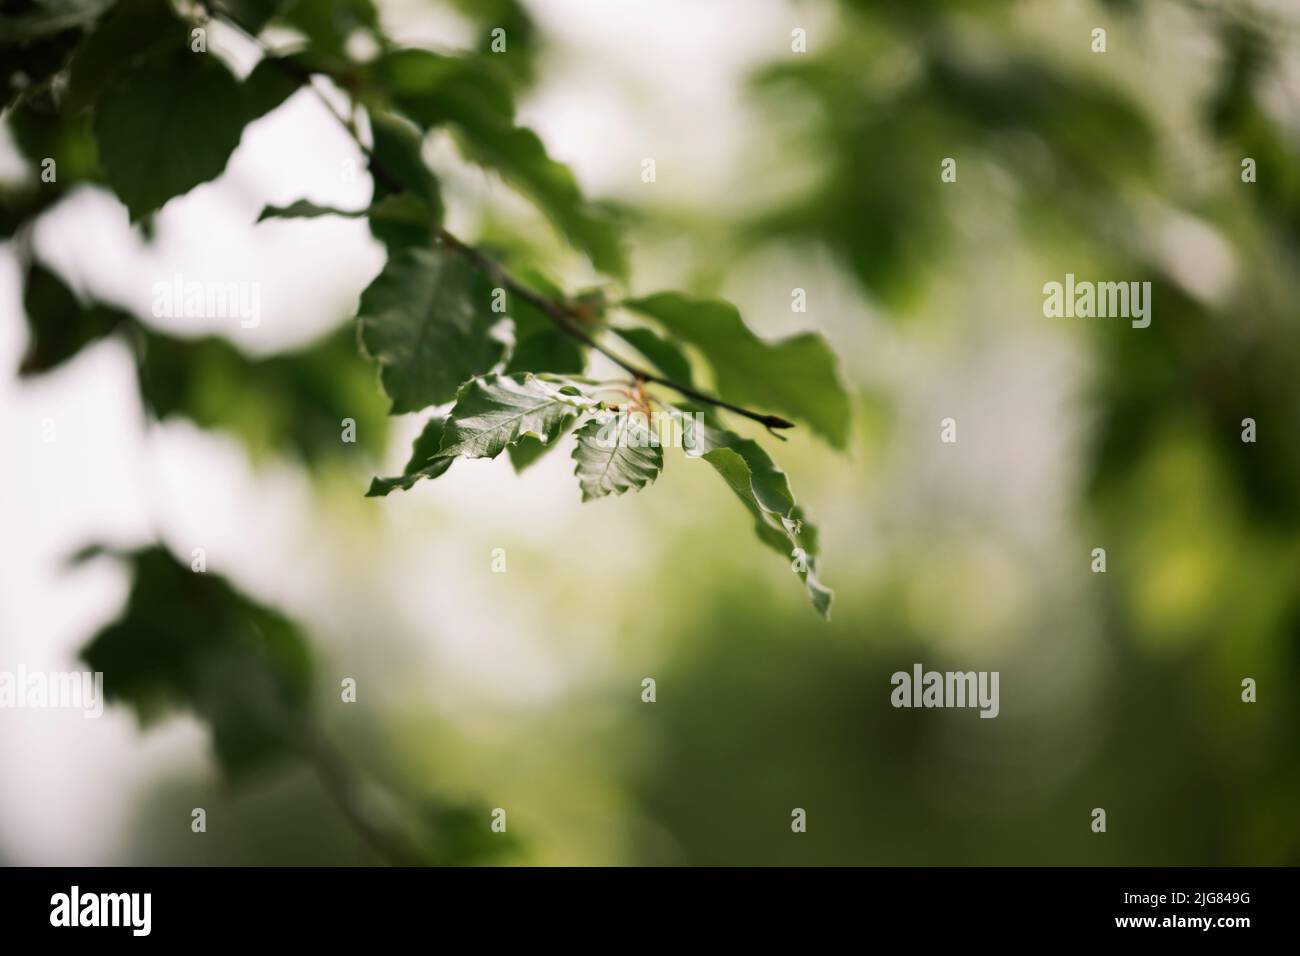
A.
x: 567, y: 319
x: 563, y: 314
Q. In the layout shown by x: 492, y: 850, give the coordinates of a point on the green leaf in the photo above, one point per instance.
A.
x: 173, y: 120
x: 168, y: 127
x: 520, y: 158
x: 496, y: 411
x: 188, y: 641
x: 132, y: 32
x: 452, y: 834
x: 433, y: 89
x: 43, y: 131
x: 424, y: 462
x: 327, y: 24
x: 59, y: 326
x: 399, y: 221
x: 663, y: 354
x: 425, y: 318
x: 289, y: 403
x: 292, y: 402
x: 272, y: 81
x: 252, y: 15
x: 764, y: 489
x: 539, y: 345
x: 796, y: 376
x: 411, y: 217
x: 547, y: 350
x: 529, y: 450
x: 398, y: 148
x: 520, y: 34
x: 403, y: 221
x: 474, y: 97
x: 616, y: 453
x: 306, y: 209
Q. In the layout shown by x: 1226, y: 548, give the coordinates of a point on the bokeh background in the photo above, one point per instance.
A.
x: 775, y: 170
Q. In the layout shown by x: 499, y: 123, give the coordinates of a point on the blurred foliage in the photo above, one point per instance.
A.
x: 758, y: 724
x: 900, y: 87
x: 289, y: 402
x: 187, y: 640
x: 758, y: 716
x: 1202, y: 528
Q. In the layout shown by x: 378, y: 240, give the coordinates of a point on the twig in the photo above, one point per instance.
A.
x: 342, y: 783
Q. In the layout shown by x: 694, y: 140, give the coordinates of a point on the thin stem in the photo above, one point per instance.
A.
x: 564, y: 315
x: 343, y: 784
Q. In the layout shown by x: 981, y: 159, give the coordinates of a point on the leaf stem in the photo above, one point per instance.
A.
x: 562, y: 314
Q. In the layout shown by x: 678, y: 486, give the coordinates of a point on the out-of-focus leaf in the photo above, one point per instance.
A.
x: 293, y: 402
x: 168, y: 127
x: 433, y: 89
x: 269, y: 85
x: 425, y: 319
x: 547, y: 350
x: 173, y: 121
x: 132, y: 32
x: 288, y: 403
x: 520, y: 158
x: 42, y: 131
x: 457, y: 835
x: 58, y: 325
x: 520, y: 34
x: 796, y: 376
x: 188, y: 641
x: 327, y: 24
x: 398, y: 221
x: 424, y: 462
x: 663, y: 354
x: 252, y: 15
x: 875, y: 206
x: 469, y: 94
x: 306, y: 209
x: 410, y: 217
x: 402, y: 221
x: 398, y: 150
x: 540, y: 346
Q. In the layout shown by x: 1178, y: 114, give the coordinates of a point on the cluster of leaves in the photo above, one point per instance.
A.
x: 121, y: 95
x: 903, y: 85
x: 188, y: 641
x: 159, y: 120
x: 290, y: 401
x: 934, y: 82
